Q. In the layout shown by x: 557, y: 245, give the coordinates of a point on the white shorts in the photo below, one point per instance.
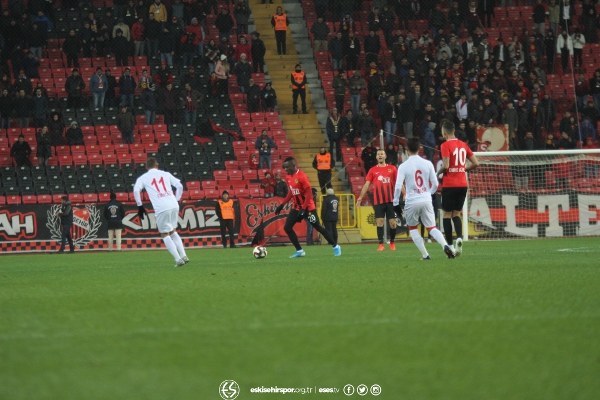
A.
x: 424, y: 211
x: 167, y: 220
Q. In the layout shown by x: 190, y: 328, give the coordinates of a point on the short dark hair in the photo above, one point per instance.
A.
x: 413, y: 145
x: 448, y: 126
x: 151, y: 162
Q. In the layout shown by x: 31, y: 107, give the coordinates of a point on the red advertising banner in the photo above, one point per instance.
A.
x: 492, y: 138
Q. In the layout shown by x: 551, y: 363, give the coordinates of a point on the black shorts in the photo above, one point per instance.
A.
x: 453, y: 198
x: 294, y: 217
x: 384, y: 209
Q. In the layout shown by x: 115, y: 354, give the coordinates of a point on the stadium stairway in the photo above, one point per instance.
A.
x: 304, y: 132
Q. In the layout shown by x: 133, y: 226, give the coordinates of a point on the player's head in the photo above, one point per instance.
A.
x: 289, y: 165
x: 151, y: 162
x: 448, y: 128
x: 413, y: 145
x: 381, y: 156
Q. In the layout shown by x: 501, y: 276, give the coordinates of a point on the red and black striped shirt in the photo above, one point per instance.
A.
x: 383, y: 179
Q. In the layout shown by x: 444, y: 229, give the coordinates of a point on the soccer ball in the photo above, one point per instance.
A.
x: 259, y: 252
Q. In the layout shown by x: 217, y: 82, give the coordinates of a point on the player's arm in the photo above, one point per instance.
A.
x: 306, y: 193
x: 287, y: 198
x: 398, y: 188
x: 176, y: 183
x: 433, y: 182
x: 474, y: 163
x: 137, y: 192
x: 363, y: 192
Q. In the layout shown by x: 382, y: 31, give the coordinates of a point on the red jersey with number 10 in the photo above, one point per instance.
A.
x: 383, y: 180
x: 458, y: 152
x: 300, y: 191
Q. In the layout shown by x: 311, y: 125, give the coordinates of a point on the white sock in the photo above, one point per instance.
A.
x: 438, y: 236
x: 171, y: 247
x: 178, y: 243
x: 418, y: 241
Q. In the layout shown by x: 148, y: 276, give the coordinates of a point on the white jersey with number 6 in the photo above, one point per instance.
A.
x: 419, y: 176
x: 158, y: 184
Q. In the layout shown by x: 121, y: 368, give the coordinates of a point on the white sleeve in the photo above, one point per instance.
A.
x: 398, y: 187
x: 137, y: 191
x: 176, y: 183
x: 433, y: 181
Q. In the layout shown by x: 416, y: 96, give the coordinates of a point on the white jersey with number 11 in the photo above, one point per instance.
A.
x: 159, y: 186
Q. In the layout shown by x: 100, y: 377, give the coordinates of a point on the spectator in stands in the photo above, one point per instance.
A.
x: 21, y: 152
x: 340, y: 84
x: 159, y: 10
x: 23, y: 82
x: 23, y: 105
x: 121, y: 48
x: 595, y: 88
x: 88, y: 38
x: 56, y: 129
x: 253, y: 161
x: 71, y: 47
x: 280, y: 23
x: 334, y: 133
x: 367, y: 127
x: 391, y: 154
x: 348, y: 128
x: 539, y: 17
x: 268, y: 184
x: 336, y: 51
x: 164, y: 76
x: 103, y: 39
x: 565, y: 142
x: 243, y: 71
x: 166, y: 46
x: 74, y: 134
x: 40, y: 108
x: 566, y: 13
x: 264, y: 144
x: 36, y: 40
x: 127, y: 87
x: 125, y: 31
x: 356, y: 84
x: 320, y: 32
x: 242, y: 15
x: 372, y: 47
x: 126, y: 124
x: 6, y: 109
x: 138, y: 36
x: 554, y: 15
x: 511, y: 119
x: 351, y: 51
x: 30, y: 65
x: 190, y: 102
x: 150, y: 103
x: 281, y: 188
x: 269, y: 97
x: 427, y: 140
x: 578, y: 40
x: 368, y: 156
x: 298, y: 80
x: 258, y: 52
x: 222, y: 74
x: 145, y: 80
x: 390, y: 119
x: 44, y: 146
x: 589, y: 21
x: 193, y: 40
x: 98, y: 87
x: 589, y: 120
x: 253, y: 97
x: 110, y: 98
x: 169, y: 101
x: 224, y: 23
x: 152, y: 31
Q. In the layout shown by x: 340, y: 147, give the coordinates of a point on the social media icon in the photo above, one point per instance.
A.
x: 375, y: 390
x: 362, y: 390
x: 348, y: 390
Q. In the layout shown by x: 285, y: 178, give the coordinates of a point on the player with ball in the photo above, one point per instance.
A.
x: 303, y: 207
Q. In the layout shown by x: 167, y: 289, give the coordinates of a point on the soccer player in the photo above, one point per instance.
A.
x: 421, y: 182
x: 159, y: 186
x: 455, y: 154
x: 303, y: 207
x: 383, y: 177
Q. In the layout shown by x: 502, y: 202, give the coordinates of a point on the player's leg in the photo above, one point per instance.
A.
x: 392, y: 223
x: 290, y: 221
x: 447, y: 206
x: 313, y: 219
x: 111, y: 233
x: 379, y: 221
x: 461, y: 195
x: 118, y: 238
x: 411, y: 213
x: 165, y: 227
x: 428, y: 220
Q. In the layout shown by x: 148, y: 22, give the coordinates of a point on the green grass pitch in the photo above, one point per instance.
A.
x: 507, y: 320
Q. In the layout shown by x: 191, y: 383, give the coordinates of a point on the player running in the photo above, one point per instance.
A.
x: 382, y: 177
x: 421, y: 183
x: 455, y: 154
x: 158, y: 184
x: 303, y: 207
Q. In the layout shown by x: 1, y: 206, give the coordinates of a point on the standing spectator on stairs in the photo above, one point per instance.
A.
x: 280, y: 23
x: 298, y: 78
x: 323, y: 163
x: 258, y: 51
x: 334, y: 133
